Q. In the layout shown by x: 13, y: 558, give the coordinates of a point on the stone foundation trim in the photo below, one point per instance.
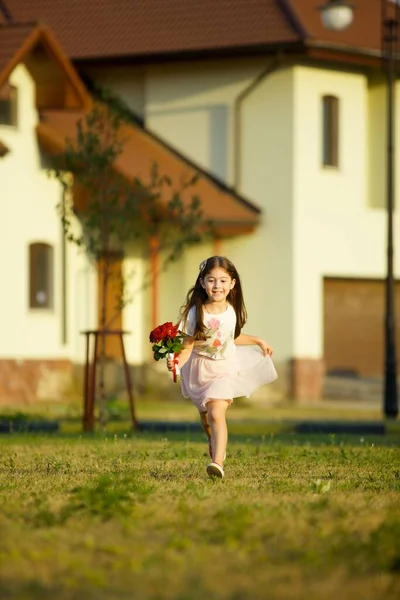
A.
x: 29, y: 381
x: 307, y: 379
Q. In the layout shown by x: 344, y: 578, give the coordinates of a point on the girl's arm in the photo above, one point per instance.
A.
x: 184, y: 356
x: 250, y: 340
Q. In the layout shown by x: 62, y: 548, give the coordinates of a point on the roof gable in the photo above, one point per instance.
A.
x: 58, y: 84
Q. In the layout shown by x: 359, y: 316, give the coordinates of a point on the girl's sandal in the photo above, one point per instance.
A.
x: 215, y: 470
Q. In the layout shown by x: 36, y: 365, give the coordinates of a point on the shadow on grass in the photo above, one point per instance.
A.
x: 252, y: 428
x: 28, y: 426
x: 300, y: 431
x: 236, y: 437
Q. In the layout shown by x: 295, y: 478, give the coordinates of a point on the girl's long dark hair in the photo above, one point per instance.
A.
x: 197, y: 296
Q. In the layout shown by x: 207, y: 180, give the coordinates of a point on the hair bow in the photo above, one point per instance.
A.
x: 202, y: 265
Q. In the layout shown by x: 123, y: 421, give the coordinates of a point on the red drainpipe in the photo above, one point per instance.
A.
x: 217, y: 246
x: 154, y: 278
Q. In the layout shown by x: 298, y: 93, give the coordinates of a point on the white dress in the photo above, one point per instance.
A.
x: 218, y: 369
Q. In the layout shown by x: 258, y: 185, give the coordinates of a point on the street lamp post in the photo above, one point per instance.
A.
x: 337, y: 15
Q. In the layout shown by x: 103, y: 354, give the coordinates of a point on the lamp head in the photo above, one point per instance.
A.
x: 337, y: 15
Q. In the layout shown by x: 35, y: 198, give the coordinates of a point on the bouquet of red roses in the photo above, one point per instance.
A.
x: 167, y: 342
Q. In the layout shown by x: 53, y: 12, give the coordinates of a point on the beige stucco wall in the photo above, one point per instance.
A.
x: 28, y: 214
x: 192, y: 107
x: 377, y: 140
x: 336, y: 231
x: 265, y: 259
x: 316, y: 221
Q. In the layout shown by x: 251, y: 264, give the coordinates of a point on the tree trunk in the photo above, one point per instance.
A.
x: 104, y: 264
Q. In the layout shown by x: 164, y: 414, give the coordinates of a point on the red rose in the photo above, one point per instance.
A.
x: 167, y: 331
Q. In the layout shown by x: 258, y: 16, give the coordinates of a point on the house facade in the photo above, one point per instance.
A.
x: 44, y: 276
x: 317, y: 260
x: 54, y: 287
x: 290, y: 126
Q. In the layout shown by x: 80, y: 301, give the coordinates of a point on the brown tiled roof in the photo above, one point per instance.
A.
x: 5, y: 15
x: 230, y: 212
x: 96, y: 29
x: 100, y: 28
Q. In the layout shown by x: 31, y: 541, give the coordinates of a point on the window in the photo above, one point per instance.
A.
x: 8, y: 105
x: 330, y: 128
x: 40, y: 276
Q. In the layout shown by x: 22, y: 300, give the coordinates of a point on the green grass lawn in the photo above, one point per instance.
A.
x: 136, y: 517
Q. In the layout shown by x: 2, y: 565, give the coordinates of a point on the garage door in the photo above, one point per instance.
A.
x: 354, y: 326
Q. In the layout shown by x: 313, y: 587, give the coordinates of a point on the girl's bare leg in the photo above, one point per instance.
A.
x: 207, y: 430
x: 205, y: 424
x: 216, y: 410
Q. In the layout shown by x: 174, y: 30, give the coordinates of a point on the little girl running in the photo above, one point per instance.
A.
x: 215, y: 366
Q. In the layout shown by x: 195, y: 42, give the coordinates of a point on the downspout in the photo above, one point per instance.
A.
x: 293, y: 19
x: 274, y: 65
x: 154, y: 278
x: 217, y: 246
x: 64, y: 287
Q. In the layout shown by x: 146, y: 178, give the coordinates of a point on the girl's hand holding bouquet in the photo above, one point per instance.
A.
x: 167, y: 343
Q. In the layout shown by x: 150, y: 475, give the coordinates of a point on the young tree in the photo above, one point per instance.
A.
x: 115, y: 210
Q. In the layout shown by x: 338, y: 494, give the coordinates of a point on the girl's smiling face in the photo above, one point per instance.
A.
x: 217, y: 285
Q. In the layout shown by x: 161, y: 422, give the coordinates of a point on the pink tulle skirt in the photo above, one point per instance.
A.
x: 204, y: 379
